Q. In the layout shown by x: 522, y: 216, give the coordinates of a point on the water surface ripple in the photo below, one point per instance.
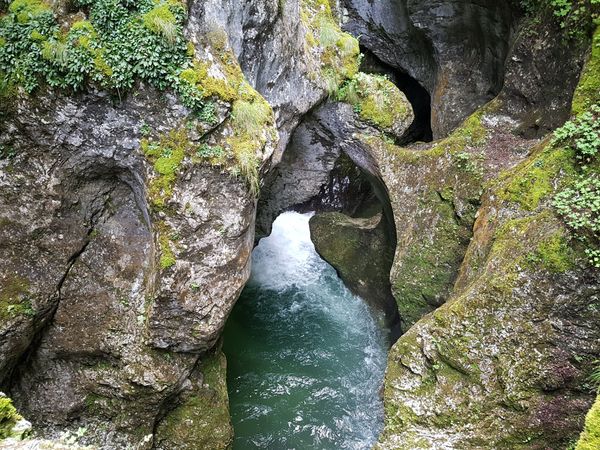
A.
x: 306, y: 357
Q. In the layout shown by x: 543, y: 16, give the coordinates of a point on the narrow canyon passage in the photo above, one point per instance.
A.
x: 306, y: 357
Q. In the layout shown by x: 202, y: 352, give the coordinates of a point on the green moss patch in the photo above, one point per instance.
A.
x: 166, y: 155
x: 535, y: 178
x: 553, y: 254
x: 590, y: 438
x: 588, y: 90
x: 376, y: 99
x: 15, y: 298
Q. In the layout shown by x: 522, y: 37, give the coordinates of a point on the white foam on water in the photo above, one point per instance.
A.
x: 300, y: 298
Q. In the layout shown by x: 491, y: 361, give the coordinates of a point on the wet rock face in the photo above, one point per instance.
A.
x: 98, y: 330
x: 361, y: 252
x: 441, y: 44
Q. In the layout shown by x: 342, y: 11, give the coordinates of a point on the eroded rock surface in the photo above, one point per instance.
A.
x: 504, y: 363
x: 456, y: 49
x: 98, y: 313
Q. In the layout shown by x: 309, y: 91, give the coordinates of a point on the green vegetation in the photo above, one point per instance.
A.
x: 595, y: 376
x: 250, y: 122
x: 590, y: 438
x: 553, y: 254
x: 582, y: 135
x: 211, y: 153
x: 579, y: 202
x: 166, y: 154
x: 14, y: 298
x: 122, y: 41
x: 338, y: 52
x: 534, y: 179
x: 579, y: 205
x: 588, y: 90
x: 8, y: 417
x: 376, y: 99
x: 575, y: 16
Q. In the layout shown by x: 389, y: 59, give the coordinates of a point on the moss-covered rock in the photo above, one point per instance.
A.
x: 590, y: 438
x: 361, y: 252
x: 505, y: 362
x: 337, y: 52
x: 434, y: 193
x: 378, y: 102
x: 484, y: 369
x: 588, y: 90
x: 8, y: 417
x: 202, y: 418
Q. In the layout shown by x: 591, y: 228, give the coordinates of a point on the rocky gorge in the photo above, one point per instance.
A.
x: 449, y: 150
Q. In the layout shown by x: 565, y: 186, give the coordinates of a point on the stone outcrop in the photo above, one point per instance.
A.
x: 102, y: 328
x: 504, y: 363
x: 359, y: 249
x: 278, y: 46
x: 441, y: 44
x: 309, y: 174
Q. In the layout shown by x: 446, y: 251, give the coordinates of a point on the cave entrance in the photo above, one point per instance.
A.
x: 417, y: 95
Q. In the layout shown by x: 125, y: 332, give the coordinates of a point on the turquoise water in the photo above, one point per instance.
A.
x: 306, y: 357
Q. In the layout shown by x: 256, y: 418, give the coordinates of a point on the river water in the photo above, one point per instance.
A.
x: 306, y: 357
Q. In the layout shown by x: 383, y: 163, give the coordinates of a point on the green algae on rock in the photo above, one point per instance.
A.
x: 202, y: 418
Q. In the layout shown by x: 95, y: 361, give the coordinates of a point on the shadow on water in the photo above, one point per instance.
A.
x: 306, y: 358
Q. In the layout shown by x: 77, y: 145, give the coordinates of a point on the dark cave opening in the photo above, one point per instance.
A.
x: 417, y: 95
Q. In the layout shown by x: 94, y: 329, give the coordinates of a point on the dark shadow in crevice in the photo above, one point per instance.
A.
x: 417, y: 95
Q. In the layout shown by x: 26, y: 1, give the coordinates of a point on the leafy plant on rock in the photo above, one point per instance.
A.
x: 579, y: 202
x: 123, y: 41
